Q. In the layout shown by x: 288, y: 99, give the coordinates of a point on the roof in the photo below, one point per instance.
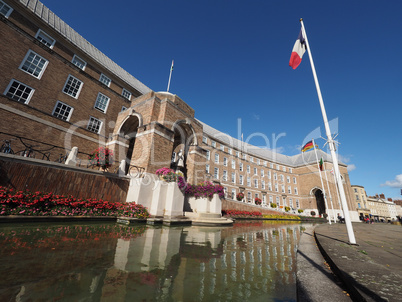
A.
x: 265, y: 153
x: 47, y: 16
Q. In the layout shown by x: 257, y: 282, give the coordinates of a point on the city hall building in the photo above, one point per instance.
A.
x: 58, y: 91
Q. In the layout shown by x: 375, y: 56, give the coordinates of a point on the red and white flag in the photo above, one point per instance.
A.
x: 298, y: 51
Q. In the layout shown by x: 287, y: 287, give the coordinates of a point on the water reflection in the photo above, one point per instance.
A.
x: 251, y: 261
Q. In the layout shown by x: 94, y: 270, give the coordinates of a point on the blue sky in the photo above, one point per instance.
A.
x: 231, y: 63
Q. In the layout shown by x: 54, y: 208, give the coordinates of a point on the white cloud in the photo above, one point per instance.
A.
x: 396, y: 183
x: 351, y: 167
x: 256, y: 117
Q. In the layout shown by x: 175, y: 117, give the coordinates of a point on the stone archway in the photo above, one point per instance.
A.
x: 184, y: 137
x: 127, y: 134
x: 319, y: 197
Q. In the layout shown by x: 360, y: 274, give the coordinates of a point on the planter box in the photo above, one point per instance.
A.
x: 204, y: 205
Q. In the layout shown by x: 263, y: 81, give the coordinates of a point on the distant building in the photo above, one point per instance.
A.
x: 58, y: 91
x: 360, y: 198
x: 382, y: 209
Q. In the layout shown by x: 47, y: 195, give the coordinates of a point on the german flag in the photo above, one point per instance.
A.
x: 308, y: 146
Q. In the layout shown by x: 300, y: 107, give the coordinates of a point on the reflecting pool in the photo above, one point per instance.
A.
x: 251, y: 261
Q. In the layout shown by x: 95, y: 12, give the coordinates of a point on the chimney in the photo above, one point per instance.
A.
x: 389, y: 199
x: 382, y: 196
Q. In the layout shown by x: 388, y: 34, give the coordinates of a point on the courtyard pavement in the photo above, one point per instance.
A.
x: 371, y: 270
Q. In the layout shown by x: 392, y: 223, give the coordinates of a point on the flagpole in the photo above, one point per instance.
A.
x: 170, y: 76
x: 329, y: 192
x: 348, y: 222
x: 322, y: 183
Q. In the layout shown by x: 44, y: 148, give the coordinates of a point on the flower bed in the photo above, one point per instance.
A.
x: 47, y: 204
x: 242, y: 214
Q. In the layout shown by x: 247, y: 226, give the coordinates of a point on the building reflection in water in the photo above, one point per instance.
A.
x: 249, y: 261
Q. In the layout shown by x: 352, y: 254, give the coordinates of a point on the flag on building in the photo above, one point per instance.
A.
x: 307, y: 146
x: 321, y: 164
x: 298, y: 51
x: 171, y: 68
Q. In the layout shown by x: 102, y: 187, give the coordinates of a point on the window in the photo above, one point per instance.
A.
x: 295, y: 190
x: 290, y: 170
x: 105, y: 80
x: 277, y: 200
x: 358, y: 205
x: 222, y: 148
x: 19, y: 92
x: 277, y: 167
x: 207, y: 168
x: 262, y: 184
x: 244, y: 156
x: 5, y: 10
x: 237, y: 154
x: 241, y: 179
x: 276, y: 188
x: 34, y: 64
x: 262, y: 173
x: 294, y: 180
x: 264, y: 200
x: 355, y: 190
x: 217, y: 158
x: 230, y: 151
x: 62, y: 111
x: 72, y: 87
x: 284, y: 169
x: 94, y: 125
x: 357, y: 197
x: 80, y: 63
x: 248, y: 181
x: 251, y: 159
x: 233, y: 164
x: 291, y: 202
x: 288, y: 179
x: 283, y: 188
x: 233, y: 177
x: 204, y: 140
x: 241, y: 167
x: 265, y: 163
x: 225, y: 161
x: 213, y: 144
x: 259, y: 161
x: 249, y: 196
x: 289, y: 190
x: 208, y: 155
x: 282, y: 178
x: 271, y: 165
x: 255, y: 171
x: 270, y: 199
x: 102, y: 102
x: 123, y: 108
x: 216, y: 173
x: 269, y: 174
x: 225, y: 190
x: 233, y: 193
x: 248, y: 169
x: 275, y: 176
x: 126, y: 94
x: 270, y: 186
x: 225, y: 175
x: 45, y: 38
x: 255, y: 183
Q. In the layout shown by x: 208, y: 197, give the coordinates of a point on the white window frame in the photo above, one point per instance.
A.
x: 222, y: 148
x: 123, y: 108
x: 263, y: 184
x: 241, y: 179
x: 288, y: 179
x: 9, y: 11
x: 216, y: 173
x: 104, y: 79
x: 249, y: 181
x: 283, y: 188
x: 270, y: 186
x: 126, y: 94
x: 255, y: 171
x: 207, y: 168
x: 94, y: 119
x: 297, y: 204
x: 241, y: 167
x: 233, y: 196
x: 225, y: 161
x: 42, y: 69
x: 26, y: 101
x: 79, y: 89
x: 208, y: 155
x: 295, y: 190
x: 269, y: 174
x: 233, y: 177
x: 262, y: 173
x: 216, y: 158
x: 248, y: 169
x: 204, y: 140
x: 256, y: 183
x: 76, y: 59
x: 41, y: 35
x: 213, y: 144
x: 289, y: 190
x: 233, y: 164
x: 294, y: 180
x: 225, y: 175
x: 99, y: 102
x: 230, y: 151
x: 69, y: 114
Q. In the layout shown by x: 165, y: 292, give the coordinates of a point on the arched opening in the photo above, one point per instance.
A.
x: 184, y: 137
x: 319, y: 197
x: 127, y: 133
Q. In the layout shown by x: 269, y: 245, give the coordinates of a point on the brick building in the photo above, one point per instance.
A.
x: 58, y: 89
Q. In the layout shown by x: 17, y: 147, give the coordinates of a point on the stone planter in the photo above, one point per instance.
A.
x: 204, y: 205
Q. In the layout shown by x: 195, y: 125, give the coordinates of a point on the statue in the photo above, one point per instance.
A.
x: 180, y: 160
